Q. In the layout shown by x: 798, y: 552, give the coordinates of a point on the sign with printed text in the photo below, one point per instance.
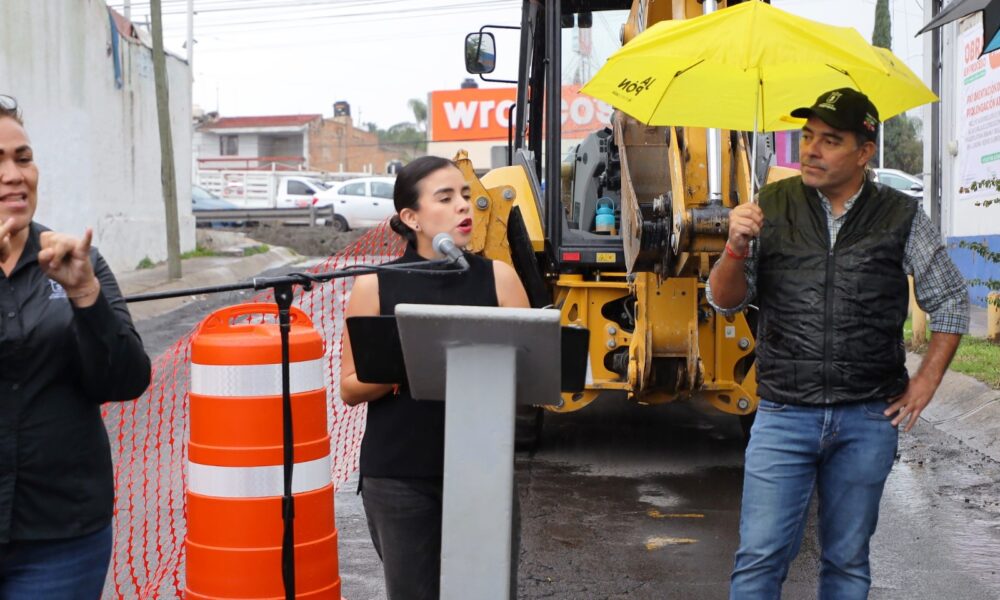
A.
x: 978, y: 110
x: 482, y: 114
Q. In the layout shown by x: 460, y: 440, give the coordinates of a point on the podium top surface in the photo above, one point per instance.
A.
x: 427, y: 331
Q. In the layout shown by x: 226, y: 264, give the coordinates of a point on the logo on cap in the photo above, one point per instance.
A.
x: 831, y: 101
x: 871, y: 123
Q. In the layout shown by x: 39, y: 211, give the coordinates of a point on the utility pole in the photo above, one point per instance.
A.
x: 190, y: 36
x: 128, y: 10
x: 190, y: 61
x: 167, y: 175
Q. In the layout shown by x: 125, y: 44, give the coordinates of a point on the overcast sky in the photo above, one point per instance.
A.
x: 256, y: 57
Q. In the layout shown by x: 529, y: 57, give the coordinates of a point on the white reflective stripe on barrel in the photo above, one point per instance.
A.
x: 240, y: 381
x: 257, y: 482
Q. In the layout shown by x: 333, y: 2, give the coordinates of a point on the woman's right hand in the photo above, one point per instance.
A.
x: 5, y: 235
x: 745, y: 222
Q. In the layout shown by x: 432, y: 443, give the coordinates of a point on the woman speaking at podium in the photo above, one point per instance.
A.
x: 402, y: 453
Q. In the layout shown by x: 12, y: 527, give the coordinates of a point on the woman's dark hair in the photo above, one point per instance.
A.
x: 406, y: 192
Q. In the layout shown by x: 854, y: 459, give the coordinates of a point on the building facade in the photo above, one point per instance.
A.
x: 306, y: 142
x: 83, y: 77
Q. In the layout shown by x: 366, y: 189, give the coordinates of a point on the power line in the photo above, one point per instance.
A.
x: 323, y: 18
x: 241, y: 6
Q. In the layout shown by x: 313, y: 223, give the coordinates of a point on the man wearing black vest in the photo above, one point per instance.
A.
x: 829, y: 272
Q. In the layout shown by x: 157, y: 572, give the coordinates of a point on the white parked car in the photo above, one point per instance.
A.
x: 361, y: 202
x: 908, y: 184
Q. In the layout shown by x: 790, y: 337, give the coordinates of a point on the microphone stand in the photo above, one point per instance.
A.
x: 283, y: 287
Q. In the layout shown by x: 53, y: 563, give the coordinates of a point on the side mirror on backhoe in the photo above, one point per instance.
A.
x: 480, y: 53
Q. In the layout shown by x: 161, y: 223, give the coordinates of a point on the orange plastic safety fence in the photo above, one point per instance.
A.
x: 149, y: 437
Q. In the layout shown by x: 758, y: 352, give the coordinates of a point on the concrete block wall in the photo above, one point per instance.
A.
x: 336, y: 145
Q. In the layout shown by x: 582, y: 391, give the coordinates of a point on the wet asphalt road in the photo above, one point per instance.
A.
x: 626, y: 501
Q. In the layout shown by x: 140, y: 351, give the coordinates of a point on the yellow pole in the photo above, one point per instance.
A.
x: 919, y: 321
x: 993, y: 317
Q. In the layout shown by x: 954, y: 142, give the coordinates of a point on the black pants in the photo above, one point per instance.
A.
x: 404, y: 519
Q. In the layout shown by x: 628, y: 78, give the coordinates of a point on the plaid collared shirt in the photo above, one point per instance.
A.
x: 940, y: 289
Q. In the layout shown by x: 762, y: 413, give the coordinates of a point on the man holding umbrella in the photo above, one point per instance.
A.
x: 829, y: 272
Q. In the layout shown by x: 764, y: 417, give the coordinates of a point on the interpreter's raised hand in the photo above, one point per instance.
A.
x: 914, y: 400
x: 66, y: 260
x: 745, y: 222
x: 5, y: 236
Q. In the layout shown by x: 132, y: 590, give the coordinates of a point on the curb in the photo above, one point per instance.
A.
x: 965, y: 408
x: 197, y: 272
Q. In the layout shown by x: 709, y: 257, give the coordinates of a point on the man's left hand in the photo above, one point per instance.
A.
x: 914, y: 400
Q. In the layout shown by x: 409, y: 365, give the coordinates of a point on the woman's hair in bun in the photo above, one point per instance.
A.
x: 406, y: 191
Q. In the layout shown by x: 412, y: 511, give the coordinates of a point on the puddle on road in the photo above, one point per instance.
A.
x: 961, y: 513
x: 659, y: 496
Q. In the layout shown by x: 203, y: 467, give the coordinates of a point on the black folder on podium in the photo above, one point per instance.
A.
x: 378, y: 354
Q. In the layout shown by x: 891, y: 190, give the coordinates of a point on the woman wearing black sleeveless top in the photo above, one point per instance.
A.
x: 402, y: 453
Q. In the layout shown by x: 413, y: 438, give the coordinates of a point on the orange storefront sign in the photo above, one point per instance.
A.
x: 482, y: 114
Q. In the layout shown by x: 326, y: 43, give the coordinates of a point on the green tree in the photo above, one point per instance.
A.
x: 882, y: 35
x: 405, y: 136
x: 903, y: 146
x: 419, y: 108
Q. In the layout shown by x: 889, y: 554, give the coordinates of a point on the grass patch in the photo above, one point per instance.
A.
x: 201, y: 251
x: 258, y: 249
x: 198, y: 252
x: 975, y: 357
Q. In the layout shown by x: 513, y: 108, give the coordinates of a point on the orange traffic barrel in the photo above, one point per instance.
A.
x: 235, y: 476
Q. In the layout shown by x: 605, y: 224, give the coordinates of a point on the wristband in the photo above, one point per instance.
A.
x: 732, y: 254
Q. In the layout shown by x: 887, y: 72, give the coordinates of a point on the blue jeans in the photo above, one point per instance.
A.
x: 845, y: 453
x: 66, y: 569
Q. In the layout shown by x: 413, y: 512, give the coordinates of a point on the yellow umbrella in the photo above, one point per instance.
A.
x: 746, y: 68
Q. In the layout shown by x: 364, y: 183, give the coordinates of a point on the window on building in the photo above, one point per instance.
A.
x: 353, y: 189
x: 381, y: 189
x: 793, y: 146
x: 297, y: 188
x: 229, y: 145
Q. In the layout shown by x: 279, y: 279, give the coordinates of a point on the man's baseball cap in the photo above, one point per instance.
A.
x: 846, y: 109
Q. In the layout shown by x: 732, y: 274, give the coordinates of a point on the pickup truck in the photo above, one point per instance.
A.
x: 263, y: 189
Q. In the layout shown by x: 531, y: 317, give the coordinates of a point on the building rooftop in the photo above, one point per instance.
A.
x: 260, y: 121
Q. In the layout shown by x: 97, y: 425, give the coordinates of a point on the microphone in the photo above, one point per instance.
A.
x: 445, y: 246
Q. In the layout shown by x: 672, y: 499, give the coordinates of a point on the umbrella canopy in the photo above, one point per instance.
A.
x: 746, y: 68
x: 964, y: 8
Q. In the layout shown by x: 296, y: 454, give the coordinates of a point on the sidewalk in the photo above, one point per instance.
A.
x: 977, y: 320
x: 229, y: 267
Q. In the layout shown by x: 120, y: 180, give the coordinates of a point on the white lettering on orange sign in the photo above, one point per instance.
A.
x: 484, y: 114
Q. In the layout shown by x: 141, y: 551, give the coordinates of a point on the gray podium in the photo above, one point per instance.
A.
x: 482, y: 361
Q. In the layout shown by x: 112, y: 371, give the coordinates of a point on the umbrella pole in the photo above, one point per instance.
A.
x: 754, y: 184
x: 881, y: 145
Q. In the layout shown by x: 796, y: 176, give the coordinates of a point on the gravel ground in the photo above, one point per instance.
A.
x: 307, y: 241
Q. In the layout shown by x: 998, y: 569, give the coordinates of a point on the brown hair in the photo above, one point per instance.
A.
x: 406, y: 192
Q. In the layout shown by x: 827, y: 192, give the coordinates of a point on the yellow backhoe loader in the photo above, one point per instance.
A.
x: 619, y: 230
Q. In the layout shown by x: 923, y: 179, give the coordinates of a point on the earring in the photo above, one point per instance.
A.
x: 417, y: 227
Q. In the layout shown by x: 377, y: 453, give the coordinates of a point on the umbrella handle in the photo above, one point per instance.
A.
x: 754, y: 184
